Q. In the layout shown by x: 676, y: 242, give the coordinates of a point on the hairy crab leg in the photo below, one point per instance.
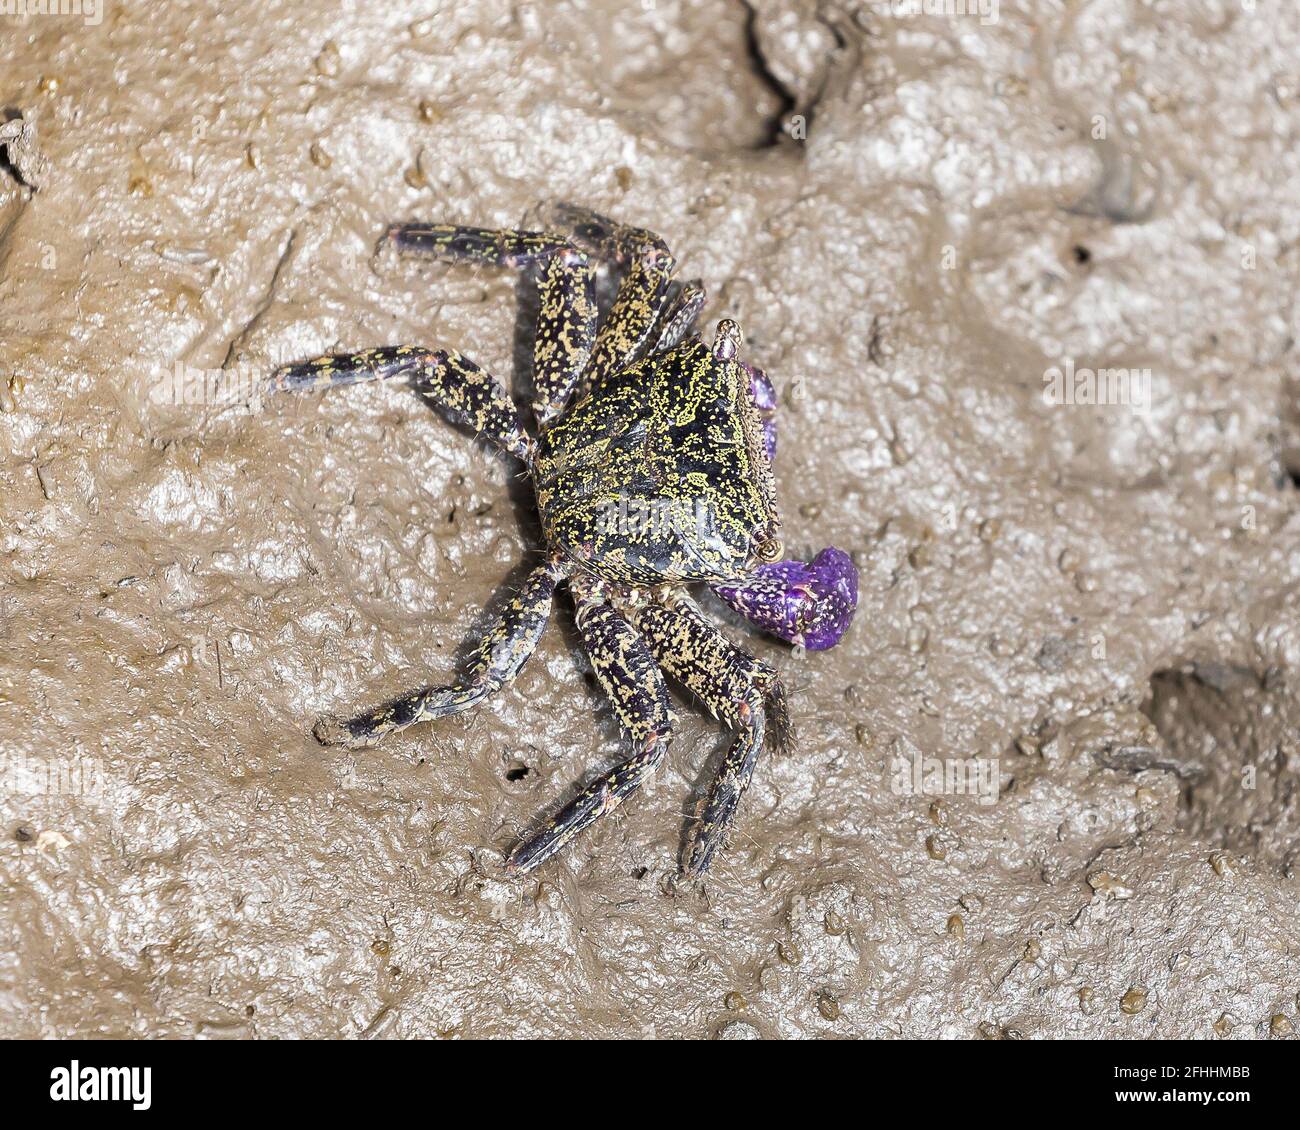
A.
x: 810, y: 604
x: 566, y: 333
x: 502, y: 653
x: 764, y: 394
x: 649, y: 267
x: 681, y: 316
x: 742, y: 691
x: 452, y: 383
x: 566, y: 320
x: 626, y: 670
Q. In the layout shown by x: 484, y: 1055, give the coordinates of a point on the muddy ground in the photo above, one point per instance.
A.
x: 1089, y: 613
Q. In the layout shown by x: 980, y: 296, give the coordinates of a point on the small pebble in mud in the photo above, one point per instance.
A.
x: 429, y: 113
x: 415, y: 178
x: 1222, y: 864
x: 328, y: 61
x: 1086, y: 582
x: 1280, y: 1027
x: 834, y: 924
x: 23, y: 834
x: 920, y: 556
x: 938, y: 814
x: 935, y: 848
x: 139, y: 186
x: 862, y: 735
x: 319, y: 157
x: 623, y: 175
x: 1133, y: 1002
x: 828, y: 1006
x: 48, y: 84
x: 1087, y: 1000
x: 789, y: 953
x: 1223, y: 1025
x: 735, y: 1002
x: 1002, y: 647
x: 253, y: 155
x: 380, y: 947
x: 1027, y: 746
x: 1104, y: 883
x: 738, y: 1030
x: 1069, y: 561
x: 956, y: 926
x: 990, y: 528
x: 1033, y: 951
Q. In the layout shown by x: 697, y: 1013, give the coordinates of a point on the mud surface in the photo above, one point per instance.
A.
x: 915, y: 218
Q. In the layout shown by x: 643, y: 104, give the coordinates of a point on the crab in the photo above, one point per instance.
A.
x: 651, y: 462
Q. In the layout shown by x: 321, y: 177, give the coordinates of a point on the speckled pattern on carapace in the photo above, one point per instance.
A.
x: 658, y: 476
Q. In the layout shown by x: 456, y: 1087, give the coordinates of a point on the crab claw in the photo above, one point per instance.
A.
x: 809, y: 603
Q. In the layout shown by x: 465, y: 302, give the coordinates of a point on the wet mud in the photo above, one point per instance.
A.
x: 1047, y: 786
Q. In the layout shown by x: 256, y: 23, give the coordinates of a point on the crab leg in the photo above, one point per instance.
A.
x: 681, y: 316
x: 566, y: 332
x: 502, y: 652
x: 742, y: 691
x: 566, y: 321
x: 649, y: 267
x: 626, y: 670
x: 764, y: 396
x: 452, y: 383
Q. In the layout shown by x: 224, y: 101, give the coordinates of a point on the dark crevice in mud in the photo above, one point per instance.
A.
x: 1228, y: 731
x: 774, y: 127
x: 234, y: 351
x: 1284, y: 463
x: 777, y: 125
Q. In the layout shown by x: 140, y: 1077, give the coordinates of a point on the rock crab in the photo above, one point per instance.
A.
x: 652, y: 466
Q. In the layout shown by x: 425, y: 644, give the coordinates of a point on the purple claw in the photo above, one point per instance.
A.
x: 765, y: 400
x: 807, y: 603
